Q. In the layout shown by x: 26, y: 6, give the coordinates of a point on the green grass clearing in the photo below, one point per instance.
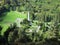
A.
x: 10, y: 18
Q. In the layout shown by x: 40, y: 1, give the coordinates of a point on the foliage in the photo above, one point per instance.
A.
x: 44, y: 14
x: 46, y: 32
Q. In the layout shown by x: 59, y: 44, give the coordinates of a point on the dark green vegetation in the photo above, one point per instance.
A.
x: 43, y: 27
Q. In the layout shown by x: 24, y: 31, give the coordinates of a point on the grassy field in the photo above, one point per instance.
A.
x: 10, y: 18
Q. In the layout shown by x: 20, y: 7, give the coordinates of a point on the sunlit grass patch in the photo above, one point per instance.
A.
x: 10, y: 18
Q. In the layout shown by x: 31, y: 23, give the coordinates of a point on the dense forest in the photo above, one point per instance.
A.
x: 29, y: 22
